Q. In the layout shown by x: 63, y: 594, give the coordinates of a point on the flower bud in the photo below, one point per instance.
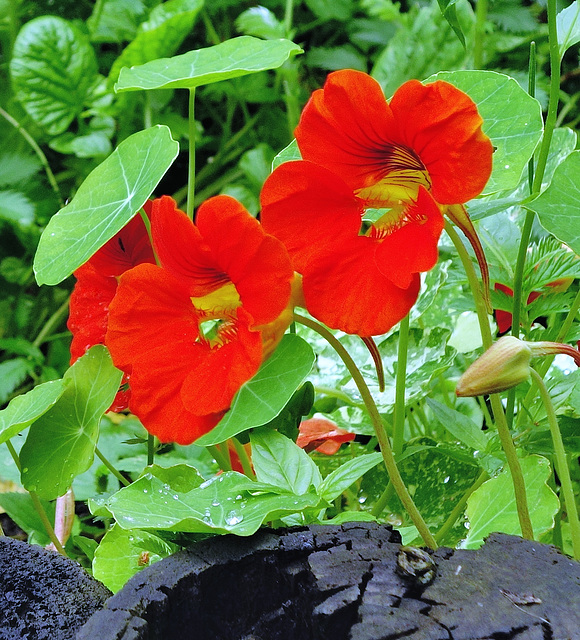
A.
x: 503, y: 366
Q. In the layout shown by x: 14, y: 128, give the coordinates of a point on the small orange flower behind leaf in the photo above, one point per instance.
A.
x: 323, y: 435
x: 360, y: 214
x: 188, y: 331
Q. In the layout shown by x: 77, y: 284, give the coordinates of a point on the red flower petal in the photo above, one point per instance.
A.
x: 255, y: 262
x: 323, y: 435
x: 413, y: 247
x: 442, y: 125
x: 346, y: 291
x: 128, y: 248
x: 310, y: 209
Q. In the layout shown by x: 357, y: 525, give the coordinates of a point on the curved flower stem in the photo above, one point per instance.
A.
x: 111, y: 468
x: 399, y: 413
x: 38, y: 505
x: 191, y: 169
x: 32, y: 142
x: 382, y: 437
x: 221, y: 458
x: 244, y: 458
x: 497, y: 408
x: 546, y: 362
x: 150, y: 449
x: 561, y: 464
x: 479, y: 33
x: 460, y: 506
x: 51, y: 323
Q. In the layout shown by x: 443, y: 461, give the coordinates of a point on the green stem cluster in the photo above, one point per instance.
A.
x: 382, y: 437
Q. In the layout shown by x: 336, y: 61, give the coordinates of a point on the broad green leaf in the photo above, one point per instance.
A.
x: 17, y: 208
x: 331, y: 9
x: 261, y: 22
x: 20, y: 508
x: 61, y: 442
x: 160, y: 36
x: 449, y: 11
x: 568, y: 26
x: 263, y: 397
x: 350, y: 516
x: 346, y: 475
x: 228, y: 503
x: 289, y: 153
x: 459, y: 425
x: 492, y: 507
x: 558, y: 207
x: 105, y: 202
x: 25, y: 409
x: 121, y: 554
x: 52, y: 69
x: 17, y: 167
x: 511, y: 118
x: 423, y: 46
x: 282, y: 463
x: 229, y: 59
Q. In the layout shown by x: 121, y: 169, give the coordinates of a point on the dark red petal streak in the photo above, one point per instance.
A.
x: 257, y: 263
x: 442, y: 125
x: 346, y: 126
x: 412, y: 248
x: 345, y: 290
x: 310, y: 210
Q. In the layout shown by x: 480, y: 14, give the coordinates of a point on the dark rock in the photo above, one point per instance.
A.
x: 44, y: 596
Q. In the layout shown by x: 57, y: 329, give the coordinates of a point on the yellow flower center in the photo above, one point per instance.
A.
x: 217, y: 312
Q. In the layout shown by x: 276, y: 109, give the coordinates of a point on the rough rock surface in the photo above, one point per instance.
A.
x: 44, y: 596
x: 342, y: 583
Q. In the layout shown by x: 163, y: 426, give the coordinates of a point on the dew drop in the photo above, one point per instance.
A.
x: 215, y: 503
x: 175, y: 496
x: 446, y: 480
x: 233, y: 518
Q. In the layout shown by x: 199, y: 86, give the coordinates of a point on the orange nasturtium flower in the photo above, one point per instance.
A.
x: 189, y: 332
x: 361, y: 215
x: 96, y: 287
x: 322, y: 435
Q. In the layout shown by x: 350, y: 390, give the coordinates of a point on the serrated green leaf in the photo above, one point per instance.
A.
x: 25, y: 409
x: 346, y: 475
x: 422, y: 47
x: 449, y: 11
x: 61, y: 442
x: 52, y: 68
x: 228, y: 503
x: 160, y: 36
x: 459, y: 425
x: 263, y: 397
x: 17, y: 208
x: 282, y: 463
x: 558, y: 207
x: 511, y: 118
x: 568, y: 27
x: 121, y: 554
x: 230, y: 59
x: 12, y: 375
x: 492, y: 507
x: 105, y: 202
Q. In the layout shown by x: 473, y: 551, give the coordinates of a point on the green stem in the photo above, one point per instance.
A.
x: 51, y: 323
x: 496, y: 405
x: 561, y: 464
x: 32, y: 142
x: 479, y: 33
x: 150, y: 449
x: 147, y: 115
x: 399, y: 411
x: 288, y: 17
x: 379, y: 428
x: 460, y: 506
x: 191, y: 169
x: 244, y: 458
x: 111, y: 468
x: 383, y: 500
x: 220, y: 458
x: 38, y: 505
